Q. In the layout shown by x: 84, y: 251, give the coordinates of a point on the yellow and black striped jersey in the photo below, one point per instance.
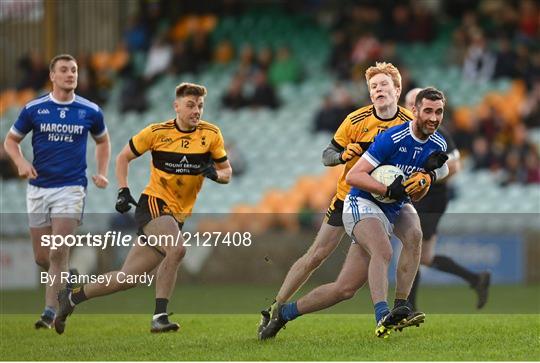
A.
x: 361, y: 126
x: 177, y: 157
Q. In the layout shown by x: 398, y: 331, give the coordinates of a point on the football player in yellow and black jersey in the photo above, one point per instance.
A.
x: 184, y: 150
x: 352, y: 138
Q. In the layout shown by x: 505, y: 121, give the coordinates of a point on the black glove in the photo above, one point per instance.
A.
x: 209, y: 171
x: 435, y: 160
x: 396, y: 190
x: 124, y: 200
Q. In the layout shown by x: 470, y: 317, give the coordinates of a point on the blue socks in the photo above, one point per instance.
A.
x: 49, y: 312
x: 289, y: 311
x: 381, y: 309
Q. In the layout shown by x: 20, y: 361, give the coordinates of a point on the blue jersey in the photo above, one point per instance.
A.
x: 399, y: 147
x: 59, y: 136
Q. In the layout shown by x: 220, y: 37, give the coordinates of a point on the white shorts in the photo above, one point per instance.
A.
x: 356, y: 209
x: 63, y: 202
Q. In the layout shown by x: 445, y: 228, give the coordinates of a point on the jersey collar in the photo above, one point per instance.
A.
x: 182, y: 131
x: 385, y: 119
x: 62, y: 102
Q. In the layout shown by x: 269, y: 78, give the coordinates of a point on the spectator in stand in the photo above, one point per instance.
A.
x: 87, y: 82
x: 340, y: 60
x: 366, y: 50
x: 247, y: 60
x: 481, y: 153
x: 223, y: 52
x: 285, y: 69
x: 264, y: 59
x: 532, y: 165
x: 133, y: 95
x: 398, y: 29
x: 479, y: 64
x: 342, y: 101
x: 264, y: 94
x: 198, y: 49
x: 529, y: 15
x: 153, y: 19
x: 158, y: 59
x: 421, y: 27
x: 136, y: 35
x: 234, y: 96
x: 181, y: 62
x: 530, y: 110
x: 35, y: 71
x: 326, y: 118
x: 458, y: 49
x: 505, y: 59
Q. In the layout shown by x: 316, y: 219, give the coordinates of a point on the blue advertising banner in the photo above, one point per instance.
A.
x: 503, y: 255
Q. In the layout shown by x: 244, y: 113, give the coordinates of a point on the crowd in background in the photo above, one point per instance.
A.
x: 496, y: 39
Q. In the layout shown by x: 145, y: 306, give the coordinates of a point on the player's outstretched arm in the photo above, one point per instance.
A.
x: 13, y: 149
x: 330, y: 156
x: 333, y: 155
x: 103, y: 156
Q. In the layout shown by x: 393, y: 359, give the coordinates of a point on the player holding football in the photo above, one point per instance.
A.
x: 355, y: 134
x: 185, y: 150
x: 430, y: 209
x: 60, y: 123
x: 370, y: 253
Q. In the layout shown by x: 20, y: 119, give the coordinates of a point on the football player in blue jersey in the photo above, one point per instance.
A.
x: 417, y: 150
x: 60, y: 123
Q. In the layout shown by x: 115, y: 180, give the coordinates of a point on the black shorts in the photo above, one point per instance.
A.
x: 334, y: 214
x: 430, y: 210
x: 149, y: 208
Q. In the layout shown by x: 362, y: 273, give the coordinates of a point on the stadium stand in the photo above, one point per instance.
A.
x: 281, y: 152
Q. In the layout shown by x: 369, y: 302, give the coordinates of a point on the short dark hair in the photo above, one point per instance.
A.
x: 190, y: 89
x: 430, y: 93
x: 66, y: 57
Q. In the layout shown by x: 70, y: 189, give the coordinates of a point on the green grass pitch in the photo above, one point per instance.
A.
x: 219, y: 323
x: 329, y: 337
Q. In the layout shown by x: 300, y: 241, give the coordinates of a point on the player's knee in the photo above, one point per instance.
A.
x: 346, y: 292
x: 58, y: 256
x: 43, y: 262
x: 176, y: 254
x: 413, y: 239
x: 385, y: 254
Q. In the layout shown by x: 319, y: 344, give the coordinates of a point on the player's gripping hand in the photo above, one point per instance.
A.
x: 100, y: 181
x: 435, y: 160
x: 124, y: 200
x: 417, y: 182
x: 396, y: 190
x: 209, y: 171
x: 352, y: 150
x: 26, y: 170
